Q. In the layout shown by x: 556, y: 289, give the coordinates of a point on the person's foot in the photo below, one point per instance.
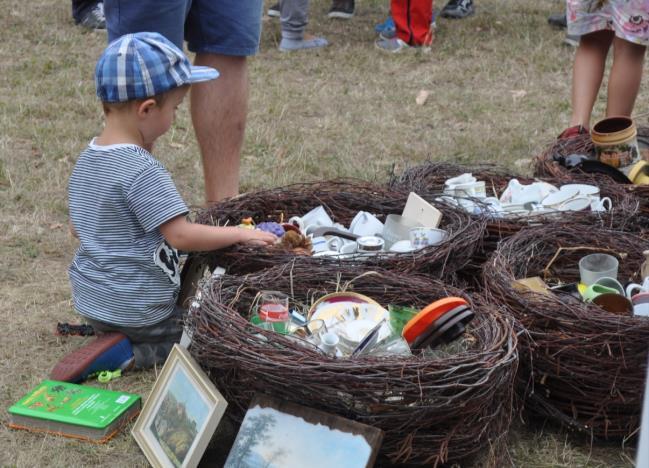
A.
x: 571, y: 40
x: 386, y: 26
x: 307, y: 42
x: 393, y: 45
x: 456, y: 9
x: 341, y: 9
x: 273, y: 11
x: 558, y: 20
x: 110, y: 351
x: 572, y: 132
x: 93, y: 17
x: 388, y: 30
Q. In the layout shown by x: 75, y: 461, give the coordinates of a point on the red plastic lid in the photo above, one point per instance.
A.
x: 429, y: 314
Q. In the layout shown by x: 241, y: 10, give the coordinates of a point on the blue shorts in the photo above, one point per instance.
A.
x: 227, y: 27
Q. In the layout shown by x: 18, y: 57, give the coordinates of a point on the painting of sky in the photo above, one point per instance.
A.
x: 292, y: 442
x: 181, y: 387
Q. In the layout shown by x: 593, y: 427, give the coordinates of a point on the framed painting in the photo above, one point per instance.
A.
x: 180, y: 415
x: 279, y: 434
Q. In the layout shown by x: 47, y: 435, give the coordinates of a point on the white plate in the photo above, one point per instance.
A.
x: 576, y: 204
x: 560, y: 197
x: 584, y: 189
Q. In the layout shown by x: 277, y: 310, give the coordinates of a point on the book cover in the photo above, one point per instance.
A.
x: 74, y: 410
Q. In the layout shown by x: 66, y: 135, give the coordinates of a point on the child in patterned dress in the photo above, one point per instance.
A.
x: 623, y: 24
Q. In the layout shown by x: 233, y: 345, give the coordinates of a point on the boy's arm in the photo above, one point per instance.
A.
x: 187, y: 236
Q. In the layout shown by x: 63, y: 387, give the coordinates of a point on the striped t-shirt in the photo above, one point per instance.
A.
x: 123, y: 273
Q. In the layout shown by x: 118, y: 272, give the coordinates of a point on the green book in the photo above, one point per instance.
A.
x: 72, y: 410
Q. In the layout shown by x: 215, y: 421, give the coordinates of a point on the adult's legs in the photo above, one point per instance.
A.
x: 587, y: 74
x: 219, y: 110
x: 625, y: 77
x: 293, y: 17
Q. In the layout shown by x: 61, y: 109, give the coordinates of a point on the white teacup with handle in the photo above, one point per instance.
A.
x: 635, y: 288
x: 600, y: 204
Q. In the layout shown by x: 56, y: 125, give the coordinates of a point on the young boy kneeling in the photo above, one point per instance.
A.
x: 128, y: 215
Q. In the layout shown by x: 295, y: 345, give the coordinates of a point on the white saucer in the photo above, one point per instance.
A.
x: 560, y: 197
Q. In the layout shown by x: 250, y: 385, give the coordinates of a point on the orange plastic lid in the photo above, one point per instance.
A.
x: 429, y: 314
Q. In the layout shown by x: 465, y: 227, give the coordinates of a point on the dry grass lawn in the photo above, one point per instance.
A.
x: 499, y: 85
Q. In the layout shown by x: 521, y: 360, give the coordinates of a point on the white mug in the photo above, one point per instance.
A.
x: 599, y: 204
x: 631, y: 288
x: 365, y: 224
x: 318, y: 217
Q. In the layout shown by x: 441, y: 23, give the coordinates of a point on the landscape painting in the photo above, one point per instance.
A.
x: 284, y: 435
x: 179, y: 418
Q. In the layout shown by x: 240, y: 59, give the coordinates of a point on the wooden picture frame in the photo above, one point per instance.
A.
x: 278, y: 434
x: 180, y: 415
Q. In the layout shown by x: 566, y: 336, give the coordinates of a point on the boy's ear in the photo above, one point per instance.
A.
x: 146, y: 106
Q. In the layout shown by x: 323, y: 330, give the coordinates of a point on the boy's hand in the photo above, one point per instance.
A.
x: 256, y: 237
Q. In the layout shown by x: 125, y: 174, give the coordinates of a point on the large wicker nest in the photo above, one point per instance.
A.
x: 342, y: 199
x: 546, y: 166
x: 429, y: 178
x: 581, y: 365
x: 432, y: 409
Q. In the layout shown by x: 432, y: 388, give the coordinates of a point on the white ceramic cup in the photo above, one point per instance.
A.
x: 600, y: 204
x: 426, y: 237
x: 470, y: 189
x: 397, y: 228
x: 365, y: 224
x: 465, y: 178
x: 328, y: 342
x: 318, y: 217
x: 635, y: 288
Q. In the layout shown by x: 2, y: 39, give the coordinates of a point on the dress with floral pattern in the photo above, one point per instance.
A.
x: 629, y: 19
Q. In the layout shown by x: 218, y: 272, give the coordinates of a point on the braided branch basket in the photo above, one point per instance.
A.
x: 581, y: 365
x: 546, y: 166
x: 429, y: 178
x: 342, y: 199
x: 432, y: 410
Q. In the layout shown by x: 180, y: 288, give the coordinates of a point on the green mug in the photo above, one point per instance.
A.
x: 595, y: 290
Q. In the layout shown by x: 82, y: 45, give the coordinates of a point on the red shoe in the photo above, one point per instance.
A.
x: 109, y: 351
x: 573, y: 132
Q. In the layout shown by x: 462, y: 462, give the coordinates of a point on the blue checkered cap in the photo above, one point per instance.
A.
x: 144, y: 64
